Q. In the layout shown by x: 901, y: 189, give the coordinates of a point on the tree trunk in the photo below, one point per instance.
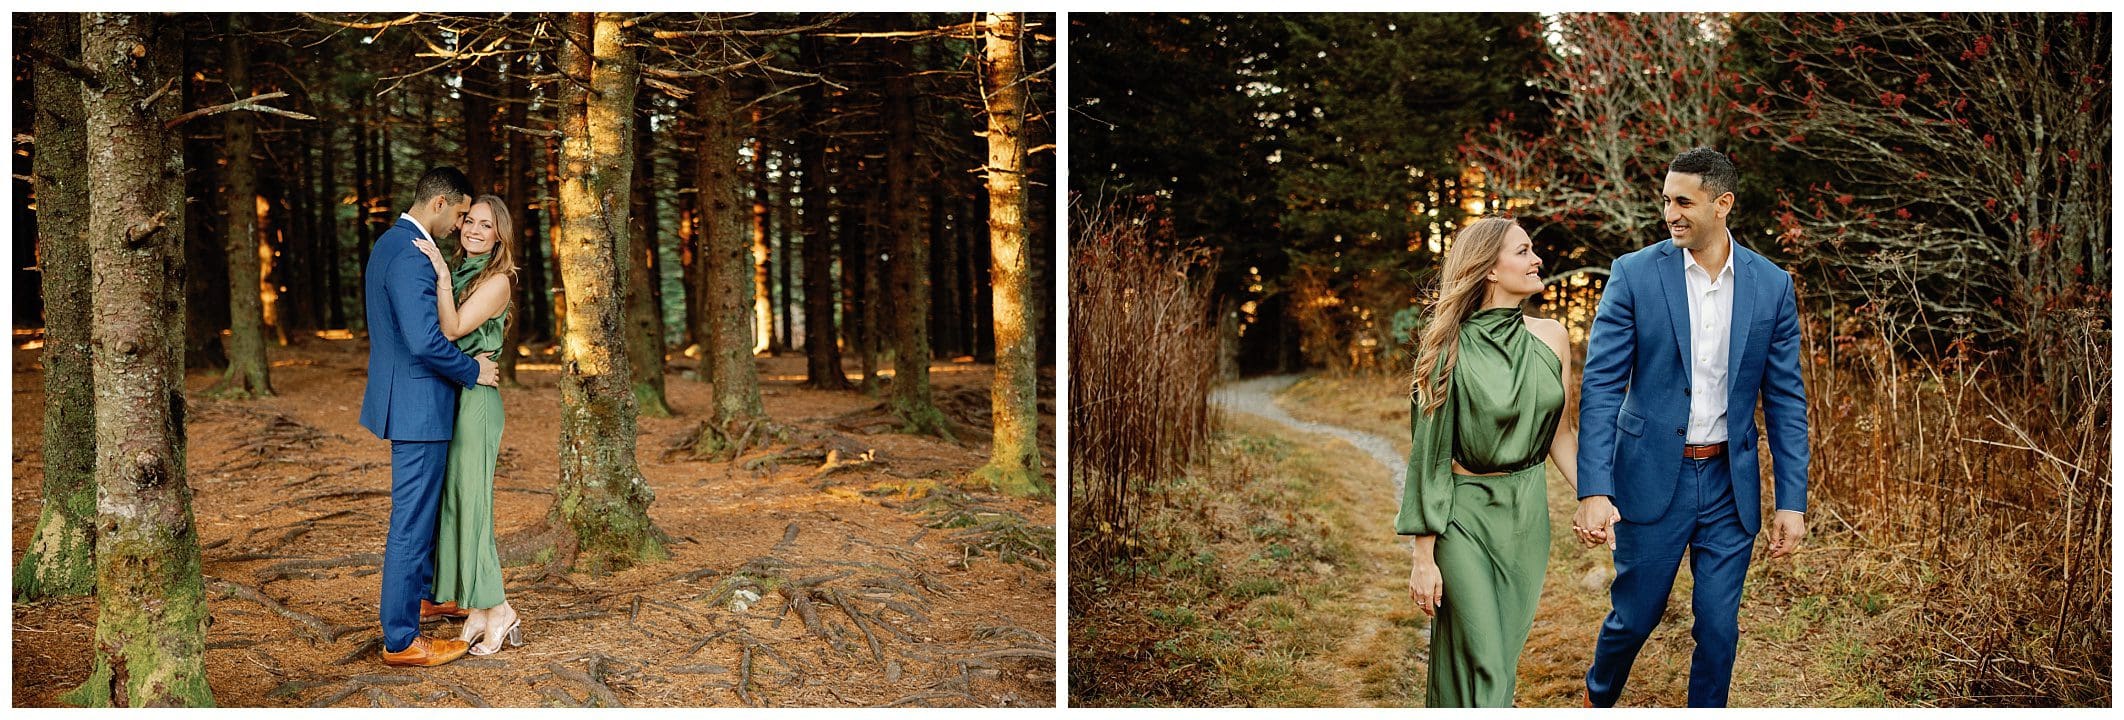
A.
x: 822, y: 350
x: 645, y: 310
x: 784, y: 228
x: 306, y: 298
x: 763, y: 339
x: 530, y: 284
x: 972, y: 233
x: 247, y: 374
x: 205, y: 250
x: 287, y: 187
x: 689, y: 244
x: 387, y: 162
x: 557, y: 285
x: 479, y: 116
x: 365, y: 234
x: 335, y: 316
x: 908, y: 261
x: 603, y: 500
x: 944, y: 273
x: 727, y: 297
x: 1014, y: 453
x: 271, y: 205
x: 859, y: 272
x: 383, y: 214
x: 984, y: 287
x: 150, y: 642
x: 61, y: 558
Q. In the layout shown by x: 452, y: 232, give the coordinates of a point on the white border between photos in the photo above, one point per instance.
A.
x: 1060, y: 225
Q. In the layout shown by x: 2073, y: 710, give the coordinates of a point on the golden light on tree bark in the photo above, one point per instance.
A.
x: 602, y: 500
x: 762, y: 224
x: 1014, y: 453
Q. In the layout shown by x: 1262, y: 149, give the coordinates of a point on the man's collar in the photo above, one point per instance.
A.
x: 424, y: 235
x: 1689, y: 257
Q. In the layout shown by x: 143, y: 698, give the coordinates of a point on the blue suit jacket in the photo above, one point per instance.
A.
x: 1634, y: 403
x: 412, y: 367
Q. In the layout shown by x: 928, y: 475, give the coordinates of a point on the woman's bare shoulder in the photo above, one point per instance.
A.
x: 1545, y: 327
x: 1551, y: 333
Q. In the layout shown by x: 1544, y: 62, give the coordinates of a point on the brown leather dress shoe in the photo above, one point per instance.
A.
x: 430, y: 612
x: 426, y: 652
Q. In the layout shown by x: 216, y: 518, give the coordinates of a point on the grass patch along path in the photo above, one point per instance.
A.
x: 1254, y: 587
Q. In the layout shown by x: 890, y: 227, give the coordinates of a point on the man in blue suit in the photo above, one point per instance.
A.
x: 411, y: 400
x: 1689, y: 335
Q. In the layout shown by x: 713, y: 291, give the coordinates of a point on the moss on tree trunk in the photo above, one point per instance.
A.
x: 1014, y: 453
x: 602, y: 497
x: 150, y: 640
x: 60, y: 560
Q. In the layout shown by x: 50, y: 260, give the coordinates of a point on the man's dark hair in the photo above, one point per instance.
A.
x: 443, y: 180
x: 1717, y: 172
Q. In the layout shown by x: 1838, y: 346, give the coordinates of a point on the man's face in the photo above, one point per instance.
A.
x: 1694, y: 217
x: 444, y: 216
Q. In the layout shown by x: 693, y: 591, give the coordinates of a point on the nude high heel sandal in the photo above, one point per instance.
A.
x: 512, y: 637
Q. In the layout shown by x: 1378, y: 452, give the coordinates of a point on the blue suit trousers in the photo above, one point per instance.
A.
x: 409, y: 550
x: 1704, y: 521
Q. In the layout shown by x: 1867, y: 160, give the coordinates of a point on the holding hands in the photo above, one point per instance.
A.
x: 1595, y: 522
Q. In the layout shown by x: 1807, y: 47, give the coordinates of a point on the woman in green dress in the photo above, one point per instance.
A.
x: 1486, y: 404
x: 467, y: 565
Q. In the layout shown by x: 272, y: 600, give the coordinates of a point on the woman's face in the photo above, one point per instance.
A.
x: 478, y: 231
x: 1518, y: 269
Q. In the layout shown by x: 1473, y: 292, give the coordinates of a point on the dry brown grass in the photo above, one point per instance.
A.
x: 1142, y: 357
x: 1264, y: 580
x: 1968, y: 504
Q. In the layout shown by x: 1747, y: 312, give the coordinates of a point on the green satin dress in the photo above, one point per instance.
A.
x: 467, y: 566
x: 1505, y: 399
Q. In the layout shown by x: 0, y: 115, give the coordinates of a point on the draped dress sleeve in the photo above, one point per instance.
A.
x: 1427, y: 484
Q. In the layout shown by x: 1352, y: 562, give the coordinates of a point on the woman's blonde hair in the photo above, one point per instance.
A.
x: 1460, y: 292
x: 504, y: 260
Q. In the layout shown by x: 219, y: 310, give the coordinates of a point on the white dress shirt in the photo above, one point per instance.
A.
x: 1710, y: 340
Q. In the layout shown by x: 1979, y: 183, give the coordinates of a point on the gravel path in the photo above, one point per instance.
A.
x: 1257, y: 396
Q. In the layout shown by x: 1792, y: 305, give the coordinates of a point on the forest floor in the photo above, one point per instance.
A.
x: 911, y: 583
x: 1274, y: 579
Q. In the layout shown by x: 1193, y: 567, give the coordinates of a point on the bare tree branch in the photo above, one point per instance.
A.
x: 251, y: 104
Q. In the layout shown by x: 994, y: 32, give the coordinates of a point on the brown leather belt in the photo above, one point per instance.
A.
x: 1703, y: 452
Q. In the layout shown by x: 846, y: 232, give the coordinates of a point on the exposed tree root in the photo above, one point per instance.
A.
x: 304, y: 568
x: 314, y: 626
x: 980, y: 529
x: 722, y: 442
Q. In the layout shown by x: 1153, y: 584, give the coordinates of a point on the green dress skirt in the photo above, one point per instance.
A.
x: 467, y: 565
x: 1503, y: 403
